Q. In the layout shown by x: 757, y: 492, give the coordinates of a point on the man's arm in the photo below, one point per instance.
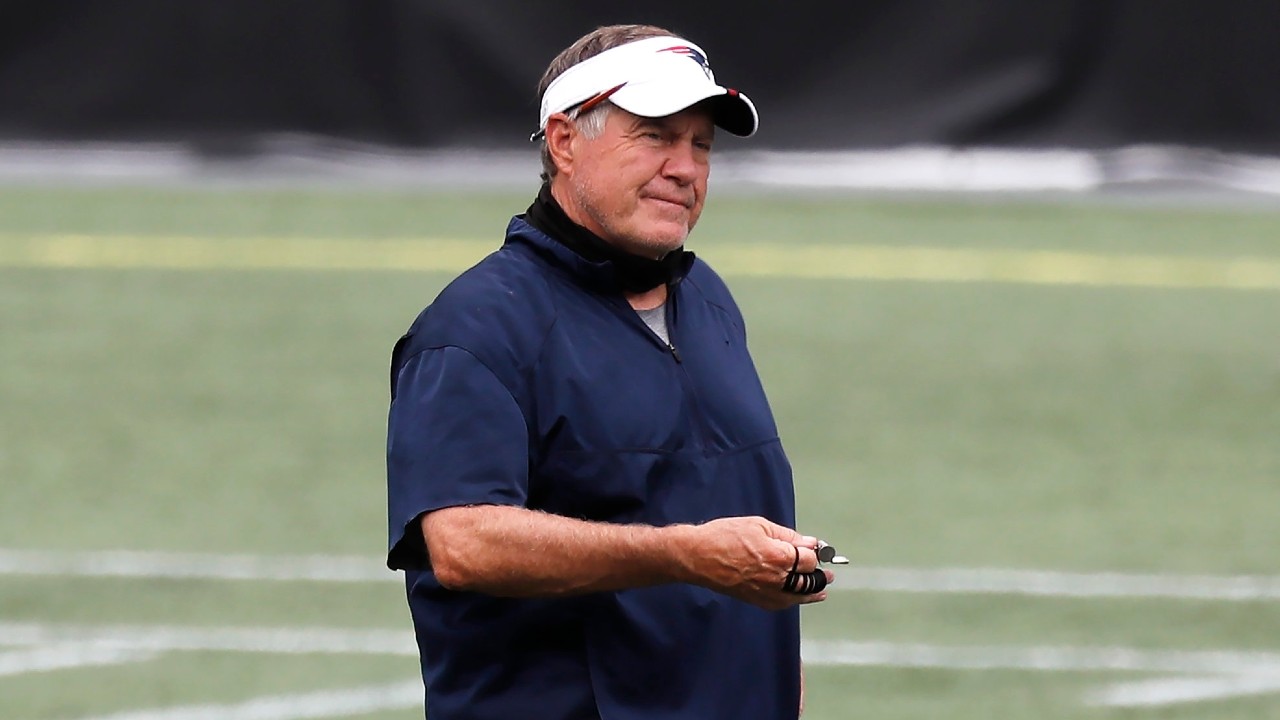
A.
x: 515, y: 552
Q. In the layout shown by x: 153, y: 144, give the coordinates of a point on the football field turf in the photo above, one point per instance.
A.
x: 1046, y: 435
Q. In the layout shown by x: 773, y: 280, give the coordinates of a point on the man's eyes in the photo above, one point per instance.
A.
x: 658, y: 135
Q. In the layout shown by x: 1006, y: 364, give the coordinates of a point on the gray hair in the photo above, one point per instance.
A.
x: 593, y: 43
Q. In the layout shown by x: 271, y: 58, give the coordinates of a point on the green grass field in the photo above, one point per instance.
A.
x: 1068, y: 389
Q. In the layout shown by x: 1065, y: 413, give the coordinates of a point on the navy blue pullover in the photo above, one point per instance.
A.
x: 531, y: 382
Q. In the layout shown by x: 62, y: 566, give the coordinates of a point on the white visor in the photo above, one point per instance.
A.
x: 654, y: 77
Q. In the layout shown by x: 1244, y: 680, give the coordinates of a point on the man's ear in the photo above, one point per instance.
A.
x: 560, y: 134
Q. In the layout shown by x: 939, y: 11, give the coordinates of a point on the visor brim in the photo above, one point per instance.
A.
x: 730, y: 109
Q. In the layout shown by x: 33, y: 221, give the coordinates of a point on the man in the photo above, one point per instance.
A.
x: 586, y: 486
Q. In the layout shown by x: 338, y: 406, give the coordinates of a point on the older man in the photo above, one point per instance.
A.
x: 586, y: 485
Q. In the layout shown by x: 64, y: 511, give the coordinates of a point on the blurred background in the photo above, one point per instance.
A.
x: 1178, y: 92
x: 1011, y: 274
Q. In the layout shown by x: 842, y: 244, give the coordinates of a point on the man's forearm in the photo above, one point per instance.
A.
x: 515, y: 552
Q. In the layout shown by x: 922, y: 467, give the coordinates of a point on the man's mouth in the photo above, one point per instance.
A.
x: 686, y: 204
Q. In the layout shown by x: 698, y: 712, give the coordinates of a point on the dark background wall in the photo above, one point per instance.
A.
x: 423, y: 73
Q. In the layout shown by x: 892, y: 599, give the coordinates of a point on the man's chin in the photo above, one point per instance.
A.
x: 667, y: 232
x: 655, y: 237
x: 662, y: 243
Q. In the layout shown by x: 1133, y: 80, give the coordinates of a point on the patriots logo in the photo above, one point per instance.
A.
x: 693, y: 55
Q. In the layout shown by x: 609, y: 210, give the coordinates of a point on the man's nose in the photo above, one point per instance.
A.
x: 683, y: 164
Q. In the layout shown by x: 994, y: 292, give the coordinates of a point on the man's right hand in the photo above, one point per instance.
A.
x: 748, y: 558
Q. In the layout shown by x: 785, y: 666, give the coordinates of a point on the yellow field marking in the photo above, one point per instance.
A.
x: 241, y: 253
x: 870, y: 262
x: 857, y: 262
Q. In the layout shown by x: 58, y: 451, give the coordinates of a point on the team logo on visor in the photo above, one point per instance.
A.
x: 693, y: 55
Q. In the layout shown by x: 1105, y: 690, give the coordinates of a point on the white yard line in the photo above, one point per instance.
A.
x: 67, y: 655
x: 1206, y: 674
x: 350, y: 568
x: 321, y: 640
x: 1171, y: 691
x: 1047, y: 583
x: 321, y: 704
x: 1043, y: 658
x: 196, y: 566
x: 160, y: 638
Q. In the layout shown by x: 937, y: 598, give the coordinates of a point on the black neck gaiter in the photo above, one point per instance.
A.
x: 635, y: 274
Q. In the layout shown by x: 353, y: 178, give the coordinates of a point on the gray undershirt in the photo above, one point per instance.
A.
x: 656, y: 319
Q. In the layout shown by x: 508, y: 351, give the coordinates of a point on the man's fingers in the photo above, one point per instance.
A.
x: 786, y: 534
x: 808, y: 560
x: 807, y: 583
x: 821, y: 594
x: 781, y: 532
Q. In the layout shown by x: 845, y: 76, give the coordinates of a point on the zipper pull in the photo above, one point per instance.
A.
x: 674, y: 353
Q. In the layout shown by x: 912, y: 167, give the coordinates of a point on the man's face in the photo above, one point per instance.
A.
x: 641, y: 184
